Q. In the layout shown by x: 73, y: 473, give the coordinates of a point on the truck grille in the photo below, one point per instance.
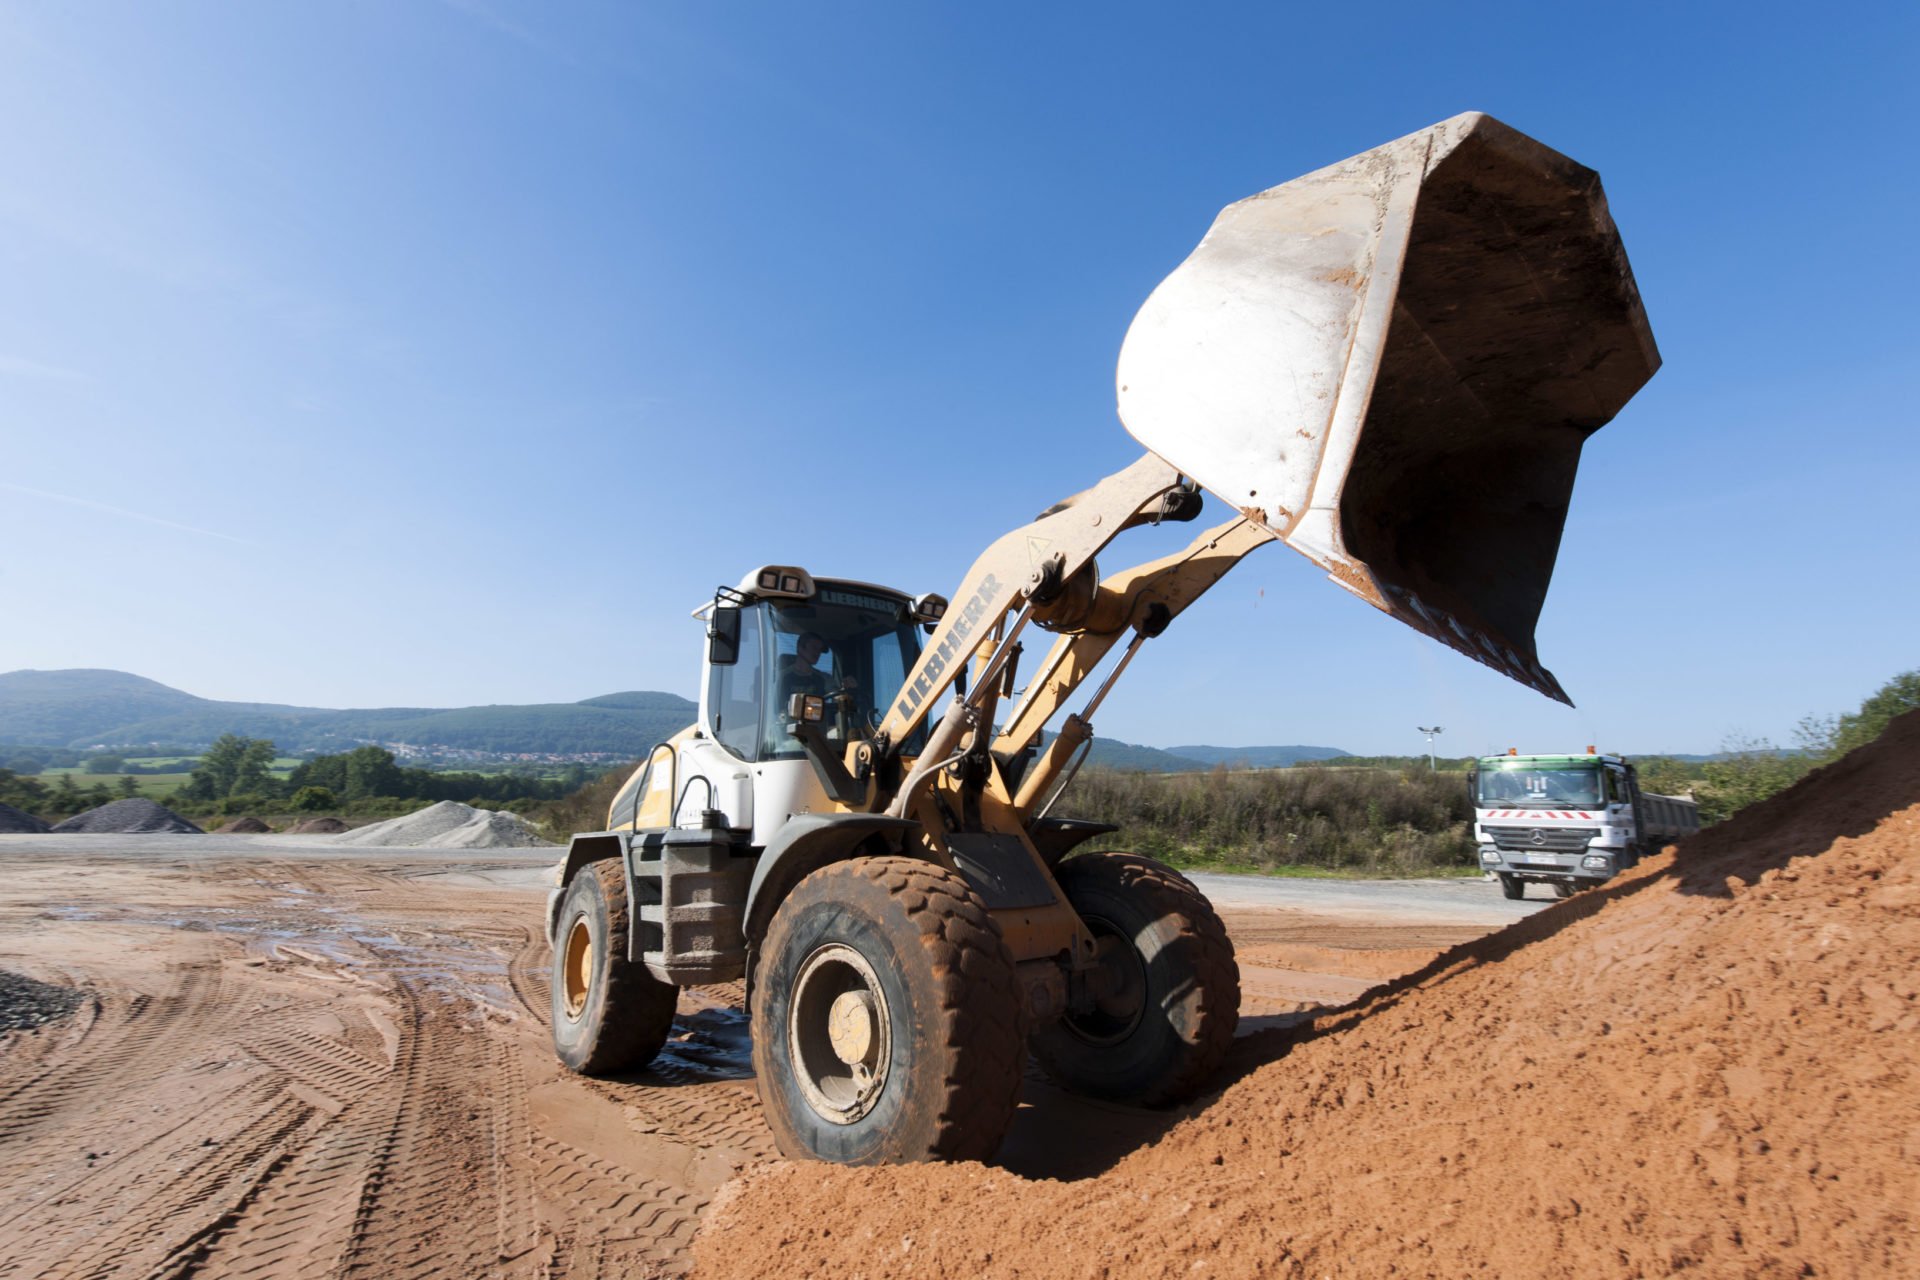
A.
x: 1525, y: 840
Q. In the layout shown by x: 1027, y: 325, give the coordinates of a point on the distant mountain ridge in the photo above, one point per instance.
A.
x: 1257, y: 757
x: 84, y: 708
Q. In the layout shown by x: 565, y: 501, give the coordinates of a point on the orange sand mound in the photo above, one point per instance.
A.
x: 1709, y: 1066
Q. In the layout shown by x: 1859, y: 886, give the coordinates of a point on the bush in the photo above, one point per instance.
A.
x: 234, y: 806
x: 584, y: 808
x: 313, y: 800
x: 1367, y: 820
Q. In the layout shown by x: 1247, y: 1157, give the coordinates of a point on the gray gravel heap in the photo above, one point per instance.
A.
x: 448, y: 825
x: 25, y: 1003
x: 317, y: 827
x: 126, y: 817
x: 18, y: 821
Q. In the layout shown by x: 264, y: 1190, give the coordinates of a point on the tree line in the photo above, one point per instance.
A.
x: 1374, y: 821
x: 235, y: 775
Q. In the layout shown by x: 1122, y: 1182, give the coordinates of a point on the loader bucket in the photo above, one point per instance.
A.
x: 1393, y: 362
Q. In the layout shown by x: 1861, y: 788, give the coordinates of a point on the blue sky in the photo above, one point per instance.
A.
x: 361, y: 354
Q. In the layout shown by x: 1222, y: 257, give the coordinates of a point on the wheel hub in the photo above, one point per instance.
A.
x: 1121, y: 997
x: 839, y: 1034
x: 850, y: 1026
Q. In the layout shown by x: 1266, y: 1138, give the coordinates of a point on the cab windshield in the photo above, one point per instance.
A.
x: 852, y: 647
x: 1577, y: 786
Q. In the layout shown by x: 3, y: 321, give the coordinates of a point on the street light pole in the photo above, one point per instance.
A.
x: 1431, y: 767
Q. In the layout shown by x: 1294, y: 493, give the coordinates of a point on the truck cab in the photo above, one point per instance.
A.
x: 1569, y: 821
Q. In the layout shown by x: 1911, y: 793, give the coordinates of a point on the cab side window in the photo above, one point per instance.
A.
x: 733, y: 694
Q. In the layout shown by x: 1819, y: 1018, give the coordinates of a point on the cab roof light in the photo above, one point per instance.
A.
x: 929, y: 608
x: 781, y: 580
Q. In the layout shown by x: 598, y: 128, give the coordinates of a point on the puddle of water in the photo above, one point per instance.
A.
x: 714, y: 1043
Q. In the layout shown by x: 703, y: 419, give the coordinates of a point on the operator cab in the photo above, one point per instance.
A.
x: 850, y: 644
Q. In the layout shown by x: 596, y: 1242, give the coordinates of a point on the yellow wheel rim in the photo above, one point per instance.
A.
x: 576, y: 969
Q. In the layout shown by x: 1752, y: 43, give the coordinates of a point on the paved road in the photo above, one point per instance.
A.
x: 1453, y: 901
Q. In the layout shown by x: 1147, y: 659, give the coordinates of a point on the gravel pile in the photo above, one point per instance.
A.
x: 248, y: 826
x: 128, y: 817
x: 449, y: 825
x: 18, y: 821
x: 25, y: 1004
x: 317, y: 827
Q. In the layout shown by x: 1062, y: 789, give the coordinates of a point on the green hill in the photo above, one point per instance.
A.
x: 84, y: 709
x: 87, y: 708
x: 1257, y: 757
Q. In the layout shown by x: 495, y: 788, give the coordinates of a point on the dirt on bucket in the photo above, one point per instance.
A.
x: 1707, y: 1066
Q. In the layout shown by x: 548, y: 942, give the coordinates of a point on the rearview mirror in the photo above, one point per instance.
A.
x: 723, y: 637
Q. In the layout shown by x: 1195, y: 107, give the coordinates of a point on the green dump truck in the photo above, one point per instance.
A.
x: 1570, y: 821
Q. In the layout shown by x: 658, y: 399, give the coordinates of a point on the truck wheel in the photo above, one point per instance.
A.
x: 609, y: 1013
x: 1512, y: 887
x: 886, y: 1017
x: 1565, y: 888
x: 1173, y: 988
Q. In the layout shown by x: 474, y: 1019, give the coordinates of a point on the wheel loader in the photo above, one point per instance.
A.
x: 1390, y: 365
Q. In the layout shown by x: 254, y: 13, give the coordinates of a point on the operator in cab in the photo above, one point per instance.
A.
x: 800, y: 674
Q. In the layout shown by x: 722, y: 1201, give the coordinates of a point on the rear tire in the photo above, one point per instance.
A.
x: 1512, y: 887
x: 609, y: 1013
x: 1565, y: 888
x: 886, y: 1018
x: 1173, y: 1000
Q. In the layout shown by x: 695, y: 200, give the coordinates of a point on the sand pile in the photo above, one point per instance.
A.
x: 316, y: 827
x: 137, y: 815
x: 449, y: 825
x: 248, y: 826
x: 18, y: 821
x: 1708, y: 1066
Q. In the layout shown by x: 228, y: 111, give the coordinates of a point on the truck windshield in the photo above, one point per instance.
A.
x: 1577, y: 785
x: 851, y: 646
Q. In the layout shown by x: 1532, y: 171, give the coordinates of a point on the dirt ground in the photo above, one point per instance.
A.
x: 339, y: 1065
x: 1709, y: 1067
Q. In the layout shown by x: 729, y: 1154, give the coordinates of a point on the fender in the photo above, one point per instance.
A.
x: 806, y: 843
x: 594, y: 846
x: 1055, y: 838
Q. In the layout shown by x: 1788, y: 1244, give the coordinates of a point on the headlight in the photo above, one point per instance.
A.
x: 1489, y: 854
x: 1594, y: 861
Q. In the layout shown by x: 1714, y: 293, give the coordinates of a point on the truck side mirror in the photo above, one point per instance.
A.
x: 723, y: 636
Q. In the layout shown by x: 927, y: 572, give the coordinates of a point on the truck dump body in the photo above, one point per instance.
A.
x: 1667, y: 818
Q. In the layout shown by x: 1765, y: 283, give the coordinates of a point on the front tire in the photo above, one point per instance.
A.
x: 609, y: 1013
x: 1512, y: 887
x: 1173, y: 990
x: 886, y: 1018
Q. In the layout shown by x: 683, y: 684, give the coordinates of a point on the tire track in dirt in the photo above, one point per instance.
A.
x: 166, y: 1206
x: 339, y: 1084
x: 613, y: 1220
